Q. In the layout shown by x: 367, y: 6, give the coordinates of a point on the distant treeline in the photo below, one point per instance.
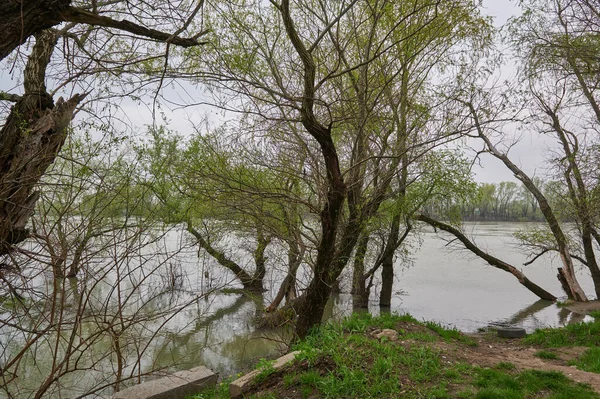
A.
x: 505, y: 201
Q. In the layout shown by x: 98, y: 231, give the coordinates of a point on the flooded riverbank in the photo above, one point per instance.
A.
x: 437, y: 282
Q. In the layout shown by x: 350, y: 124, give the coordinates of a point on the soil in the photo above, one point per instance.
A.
x: 583, y: 307
x: 490, y: 351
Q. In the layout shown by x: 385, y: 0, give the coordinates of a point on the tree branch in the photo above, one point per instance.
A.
x: 77, y: 15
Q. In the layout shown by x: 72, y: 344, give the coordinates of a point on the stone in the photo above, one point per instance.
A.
x: 392, y: 335
x: 243, y: 384
x: 177, y: 385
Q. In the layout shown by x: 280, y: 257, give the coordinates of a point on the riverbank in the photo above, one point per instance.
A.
x: 397, y: 356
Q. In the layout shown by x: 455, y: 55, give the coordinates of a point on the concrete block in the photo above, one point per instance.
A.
x: 174, y: 386
x: 243, y: 384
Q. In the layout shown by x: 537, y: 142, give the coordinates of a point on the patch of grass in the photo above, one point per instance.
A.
x: 219, y: 391
x: 449, y: 334
x: 544, y: 354
x: 531, y: 383
x: 266, y: 369
x: 504, y: 366
x: 579, y: 334
x: 589, y: 360
x: 343, y: 360
x: 595, y: 314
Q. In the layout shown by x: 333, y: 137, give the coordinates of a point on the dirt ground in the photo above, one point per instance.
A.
x: 583, y: 307
x: 492, y: 350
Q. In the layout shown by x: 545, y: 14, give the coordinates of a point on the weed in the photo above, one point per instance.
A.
x: 579, y: 334
x: 589, y: 360
x: 265, y: 368
x: 543, y: 354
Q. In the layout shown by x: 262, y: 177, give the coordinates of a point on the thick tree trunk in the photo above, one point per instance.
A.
x: 260, y: 259
x: 33, y: 134
x: 495, y: 262
x: 24, y: 18
x: 359, y: 287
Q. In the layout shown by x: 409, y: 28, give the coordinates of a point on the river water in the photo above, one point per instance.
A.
x: 439, y: 282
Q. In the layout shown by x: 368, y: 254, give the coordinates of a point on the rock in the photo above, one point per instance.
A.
x: 392, y: 335
x: 244, y: 383
x: 177, y: 385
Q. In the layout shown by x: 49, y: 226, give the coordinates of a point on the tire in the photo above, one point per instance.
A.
x: 511, y: 332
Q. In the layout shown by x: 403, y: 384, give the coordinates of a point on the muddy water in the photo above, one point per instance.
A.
x: 438, y: 282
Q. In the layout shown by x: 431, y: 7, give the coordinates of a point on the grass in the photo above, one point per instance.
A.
x: 579, y: 334
x: 497, y: 384
x: 545, y: 354
x: 344, y: 360
x: 589, y: 360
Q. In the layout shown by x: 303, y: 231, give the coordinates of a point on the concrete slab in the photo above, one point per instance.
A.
x: 243, y: 384
x: 174, y: 386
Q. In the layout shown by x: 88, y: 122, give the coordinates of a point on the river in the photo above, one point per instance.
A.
x: 438, y: 282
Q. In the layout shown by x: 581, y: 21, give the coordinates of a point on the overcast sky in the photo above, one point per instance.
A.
x: 530, y: 152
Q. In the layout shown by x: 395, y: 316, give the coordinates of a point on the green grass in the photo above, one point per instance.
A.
x: 496, y: 384
x: 545, y: 354
x: 589, y: 360
x: 350, y: 363
x: 580, y: 334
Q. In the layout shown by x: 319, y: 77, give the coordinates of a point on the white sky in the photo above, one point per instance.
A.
x: 529, y: 153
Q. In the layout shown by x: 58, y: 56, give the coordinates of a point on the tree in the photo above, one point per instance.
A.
x: 557, y: 40
x: 25, y: 18
x: 36, y: 125
x: 337, y: 88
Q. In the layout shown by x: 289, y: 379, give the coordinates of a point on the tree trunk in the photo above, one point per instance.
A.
x: 359, y: 288
x: 287, y: 289
x: 325, y: 273
x: 249, y: 282
x: 260, y: 259
x: 578, y: 193
x: 495, y: 262
x: 387, y: 263
x: 24, y: 18
x: 32, y: 136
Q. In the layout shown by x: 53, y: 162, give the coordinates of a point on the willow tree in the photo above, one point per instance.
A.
x: 91, y: 41
x: 558, y: 43
x: 331, y: 70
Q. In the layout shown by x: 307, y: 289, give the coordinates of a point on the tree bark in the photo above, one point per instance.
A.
x: 493, y: 261
x: 359, y: 289
x: 32, y: 136
x: 387, y: 263
x: 24, y: 18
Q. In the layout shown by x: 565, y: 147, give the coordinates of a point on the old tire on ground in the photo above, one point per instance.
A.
x: 511, y: 332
